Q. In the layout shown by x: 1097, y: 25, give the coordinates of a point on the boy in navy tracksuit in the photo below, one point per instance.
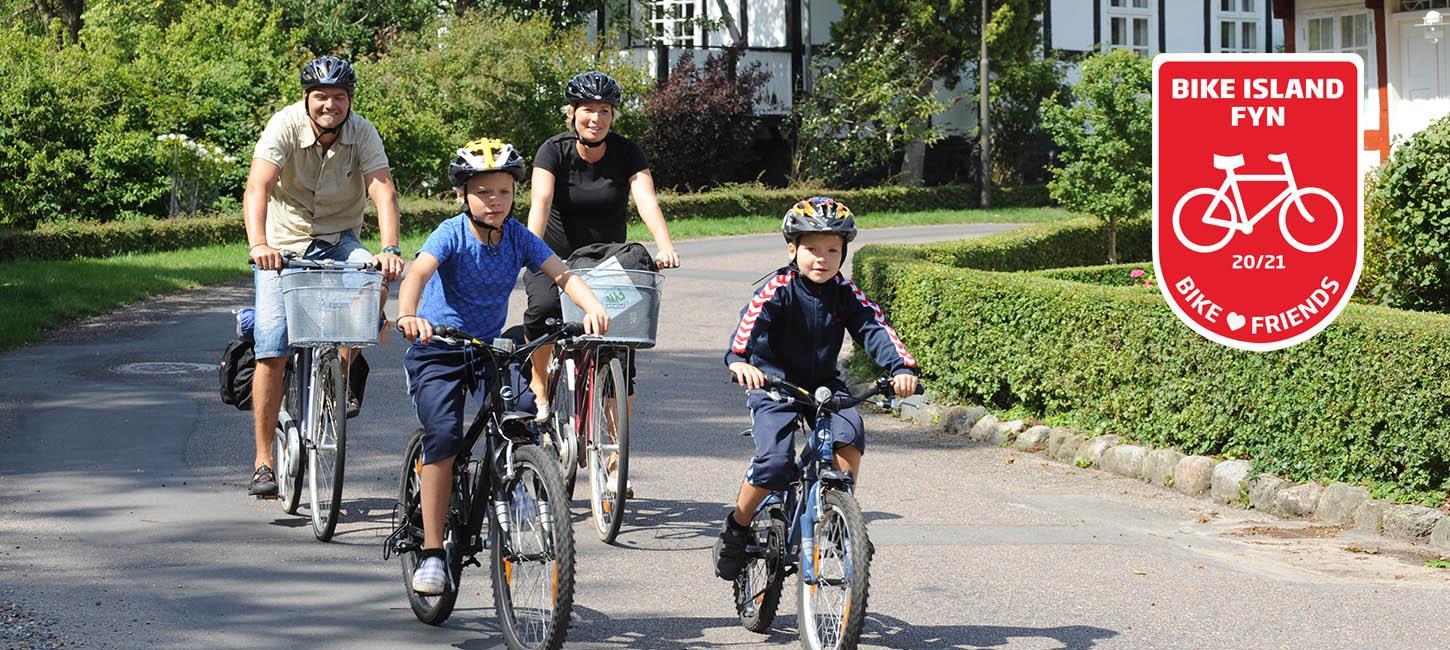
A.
x: 794, y: 328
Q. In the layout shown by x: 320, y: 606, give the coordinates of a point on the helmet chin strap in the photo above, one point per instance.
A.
x: 591, y: 145
x: 484, y: 225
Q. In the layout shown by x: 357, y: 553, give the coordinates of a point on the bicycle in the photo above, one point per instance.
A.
x: 516, y: 485
x: 1236, y: 220
x: 589, y: 408
x: 330, y: 305
x: 814, y: 529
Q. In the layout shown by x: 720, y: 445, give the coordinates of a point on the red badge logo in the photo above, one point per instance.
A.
x: 1258, y: 236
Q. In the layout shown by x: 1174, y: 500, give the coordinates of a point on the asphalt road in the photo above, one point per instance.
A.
x: 123, y: 514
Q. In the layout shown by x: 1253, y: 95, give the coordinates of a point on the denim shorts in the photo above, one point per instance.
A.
x: 270, y: 333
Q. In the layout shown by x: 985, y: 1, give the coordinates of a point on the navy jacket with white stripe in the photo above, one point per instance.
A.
x: 794, y: 328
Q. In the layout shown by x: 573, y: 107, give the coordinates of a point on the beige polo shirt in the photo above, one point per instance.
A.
x: 320, y: 194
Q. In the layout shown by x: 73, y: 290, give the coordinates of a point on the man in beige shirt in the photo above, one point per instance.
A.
x: 314, y: 168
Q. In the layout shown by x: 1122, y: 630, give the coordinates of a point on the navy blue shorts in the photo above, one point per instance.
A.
x: 440, y: 380
x: 772, y: 425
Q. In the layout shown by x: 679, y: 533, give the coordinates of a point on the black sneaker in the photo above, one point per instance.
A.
x: 264, y: 483
x: 730, y: 548
x: 354, y: 405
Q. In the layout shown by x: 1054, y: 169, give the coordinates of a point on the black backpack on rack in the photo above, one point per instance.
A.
x: 633, y: 256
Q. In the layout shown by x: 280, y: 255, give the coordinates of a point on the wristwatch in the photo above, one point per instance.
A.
x: 394, y: 250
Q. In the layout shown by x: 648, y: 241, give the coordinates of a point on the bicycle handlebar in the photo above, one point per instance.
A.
x: 457, y: 337
x: 294, y: 262
x: 824, y: 398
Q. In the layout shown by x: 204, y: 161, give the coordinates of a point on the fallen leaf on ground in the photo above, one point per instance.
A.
x: 1367, y: 550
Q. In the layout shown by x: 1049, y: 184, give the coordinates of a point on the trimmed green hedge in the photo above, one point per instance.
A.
x: 1110, y: 275
x: 1366, y: 400
x: 72, y: 240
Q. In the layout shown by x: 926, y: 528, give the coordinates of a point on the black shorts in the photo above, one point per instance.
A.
x: 543, y: 297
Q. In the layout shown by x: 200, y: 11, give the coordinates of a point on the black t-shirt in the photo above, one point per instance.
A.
x: 589, y: 199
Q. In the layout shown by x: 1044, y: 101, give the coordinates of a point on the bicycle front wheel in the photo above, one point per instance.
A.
x: 408, y: 520
x: 566, y: 432
x: 328, y: 449
x: 833, y: 596
x: 533, y: 561
x: 287, y: 443
x: 608, y: 449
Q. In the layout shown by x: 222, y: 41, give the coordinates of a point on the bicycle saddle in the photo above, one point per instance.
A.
x: 1228, y: 163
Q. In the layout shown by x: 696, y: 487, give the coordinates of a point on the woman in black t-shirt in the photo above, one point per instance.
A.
x: 582, y: 181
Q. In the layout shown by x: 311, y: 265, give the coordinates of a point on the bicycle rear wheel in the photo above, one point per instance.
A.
x: 533, y: 563
x: 833, y: 599
x: 287, y: 443
x: 565, y: 430
x: 408, y: 514
x: 608, y: 448
x: 328, y: 449
x: 757, y: 588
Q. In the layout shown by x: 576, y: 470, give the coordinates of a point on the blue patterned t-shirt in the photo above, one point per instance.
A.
x: 471, y: 289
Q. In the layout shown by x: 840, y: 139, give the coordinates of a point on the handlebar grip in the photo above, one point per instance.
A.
x: 572, y: 329
x: 448, y: 330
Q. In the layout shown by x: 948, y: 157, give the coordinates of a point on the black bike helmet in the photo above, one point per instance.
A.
x: 328, y: 71
x: 818, y: 214
x: 593, y: 86
x: 485, y: 155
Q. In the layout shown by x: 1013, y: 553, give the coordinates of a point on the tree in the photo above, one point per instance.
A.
x: 698, y: 124
x: 1105, y: 136
x: 36, y: 16
x: 943, y: 38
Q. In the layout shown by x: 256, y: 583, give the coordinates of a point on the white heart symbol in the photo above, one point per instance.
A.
x: 1235, y: 321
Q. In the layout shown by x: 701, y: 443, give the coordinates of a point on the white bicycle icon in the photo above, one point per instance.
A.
x: 1235, y: 220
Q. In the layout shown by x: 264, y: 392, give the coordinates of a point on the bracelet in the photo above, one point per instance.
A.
x: 254, y: 246
x: 393, y: 250
x: 399, y: 320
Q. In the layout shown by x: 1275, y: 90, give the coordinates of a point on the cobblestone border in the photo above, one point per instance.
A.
x: 1229, y: 482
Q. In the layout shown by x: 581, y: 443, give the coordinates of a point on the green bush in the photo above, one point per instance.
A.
x: 1407, y: 225
x: 1108, y: 275
x: 79, y: 122
x: 477, y: 75
x: 70, y: 239
x: 1367, y: 399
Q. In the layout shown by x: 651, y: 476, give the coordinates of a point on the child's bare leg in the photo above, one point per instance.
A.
x: 749, y: 500
x: 437, y: 486
x: 848, y: 458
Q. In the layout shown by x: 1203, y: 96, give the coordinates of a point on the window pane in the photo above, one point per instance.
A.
x: 1251, y: 36
x: 1354, y: 31
x: 1140, y: 32
x: 1116, y: 31
x: 1226, y: 36
x: 1141, y: 4
x: 1248, y: 6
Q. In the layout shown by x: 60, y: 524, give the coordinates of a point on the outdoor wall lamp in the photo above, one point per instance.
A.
x: 1432, y: 25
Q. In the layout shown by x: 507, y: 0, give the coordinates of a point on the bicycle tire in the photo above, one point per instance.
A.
x: 328, y: 453
x: 286, y: 444
x: 533, y: 603
x: 1219, y: 198
x: 565, y: 427
x: 833, y: 609
x: 433, y: 610
x: 1297, y: 199
x: 608, y: 490
x: 758, y: 587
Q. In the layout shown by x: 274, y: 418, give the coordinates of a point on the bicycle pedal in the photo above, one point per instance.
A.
x: 268, y: 497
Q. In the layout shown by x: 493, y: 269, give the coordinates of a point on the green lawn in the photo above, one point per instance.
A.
x: 35, y: 295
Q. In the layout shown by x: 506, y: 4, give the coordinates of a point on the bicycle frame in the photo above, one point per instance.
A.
x: 802, y: 500
x: 1240, y: 221
x: 580, y: 357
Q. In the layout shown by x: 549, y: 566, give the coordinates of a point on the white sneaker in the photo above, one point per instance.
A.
x: 542, y: 415
x: 431, y: 576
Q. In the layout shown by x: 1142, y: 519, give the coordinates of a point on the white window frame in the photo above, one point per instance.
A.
x: 1371, y: 71
x: 1238, y: 18
x: 675, y: 29
x: 1422, y: 5
x: 1130, y: 14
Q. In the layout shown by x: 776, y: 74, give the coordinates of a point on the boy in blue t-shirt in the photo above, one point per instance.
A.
x: 793, y: 328
x: 464, y: 273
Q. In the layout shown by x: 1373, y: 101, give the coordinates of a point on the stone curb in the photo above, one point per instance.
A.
x: 1229, y: 482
